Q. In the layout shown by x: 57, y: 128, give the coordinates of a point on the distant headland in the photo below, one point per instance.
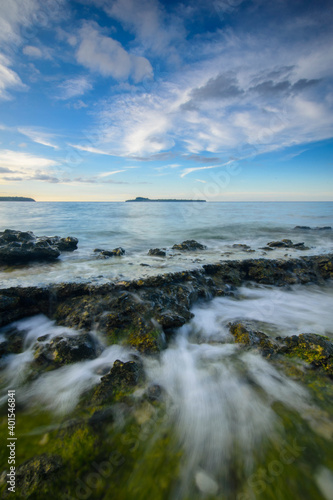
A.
x: 139, y: 198
x: 15, y: 198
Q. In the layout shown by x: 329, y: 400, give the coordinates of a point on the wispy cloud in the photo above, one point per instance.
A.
x: 195, y: 169
x: 74, y: 87
x: 8, y: 78
x: 38, y: 136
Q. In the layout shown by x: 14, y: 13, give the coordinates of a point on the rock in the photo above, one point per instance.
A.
x: 104, y: 254
x: 189, y: 245
x: 307, y: 228
x: 68, y: 244
x: 32, y: 474
x: 314, y: 349
x: 285, y: 244
x: 122, y: 377
x: 243, y: 334
x: 99, y: 417
x: 18, y: 247
x: 63, y: 350
x: 154, y: 393
x: 157, y: 252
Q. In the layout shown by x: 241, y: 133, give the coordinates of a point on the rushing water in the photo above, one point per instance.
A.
x: 137, y: 227
x: 225, y: 405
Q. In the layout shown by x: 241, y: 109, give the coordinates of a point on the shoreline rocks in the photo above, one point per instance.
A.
x: 22, y: 247
x: 189, y: 246
x: 105, y: 254
x: 141, y: 312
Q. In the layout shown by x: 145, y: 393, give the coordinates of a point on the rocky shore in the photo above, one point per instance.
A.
x: 142, y: 315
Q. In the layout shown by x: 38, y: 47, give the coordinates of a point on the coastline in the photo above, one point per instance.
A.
x: 122, y: 416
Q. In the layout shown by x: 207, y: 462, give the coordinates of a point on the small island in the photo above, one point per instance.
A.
x: 15, y: 198
x: 140, y: 199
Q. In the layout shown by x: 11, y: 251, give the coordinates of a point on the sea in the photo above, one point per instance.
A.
x: 226, y: 406
x: 140, y: 226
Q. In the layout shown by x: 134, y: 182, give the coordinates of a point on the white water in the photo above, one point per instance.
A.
x: 219, y: 398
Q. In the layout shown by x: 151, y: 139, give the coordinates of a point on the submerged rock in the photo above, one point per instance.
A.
x: 105, y: 254
x: 189, y: 245
x: 157, y: 252
x: 34, y: 473
x: 18, y: 247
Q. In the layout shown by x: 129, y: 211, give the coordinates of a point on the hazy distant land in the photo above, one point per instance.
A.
x: 139, y: 198
x: 15, y: 198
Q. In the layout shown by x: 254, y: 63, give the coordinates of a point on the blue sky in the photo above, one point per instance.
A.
x: 105, y: 100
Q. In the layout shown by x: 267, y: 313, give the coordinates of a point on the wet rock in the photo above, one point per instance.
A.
x: 314, y: 349
x: 65, y: 350
x: 105, y: 254
x: 171, y: 320
x: 243, y: 334
x: 68, y: 244
x: 154, y: 393
x: 307, y: 228
x: 242, y: 247
x: 18, y: 247
x: 157, y: 252
x: 122, y: 377
x: 100, y: 417
x: 285, y: 244
x: 189, y: 245
x: 31, y: 475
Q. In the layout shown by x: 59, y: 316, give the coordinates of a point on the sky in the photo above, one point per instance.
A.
x: 223, y: 100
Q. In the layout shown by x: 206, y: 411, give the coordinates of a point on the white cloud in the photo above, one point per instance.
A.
x: 74, y: 87
x: 38, y: 136
x: 24, y: 161
x: 154, y: 29
x: 90, y: 149
x: 8, y: 79
x: 30, y: 50
x: 106, y: 56
x: 106, y: 174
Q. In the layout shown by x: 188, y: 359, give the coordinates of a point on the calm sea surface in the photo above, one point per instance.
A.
x: 137, y: 227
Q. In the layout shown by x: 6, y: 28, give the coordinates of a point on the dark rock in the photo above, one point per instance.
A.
x: 100, y: 417
x: 64, y: 350
x: 285, y: 244
x: 122, y: 377
x: 157, y: 252
x: 154, y: 393
x: 307, y: 228
x: 31, y: 475
x: 104, y: 254
x: 171, y: 320
x: 13, y: 343
x: 17, y: 247
x: 189, y: 245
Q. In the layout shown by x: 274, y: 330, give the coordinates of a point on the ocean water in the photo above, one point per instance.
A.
x: 225, y: 405
x: 137, y: 227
